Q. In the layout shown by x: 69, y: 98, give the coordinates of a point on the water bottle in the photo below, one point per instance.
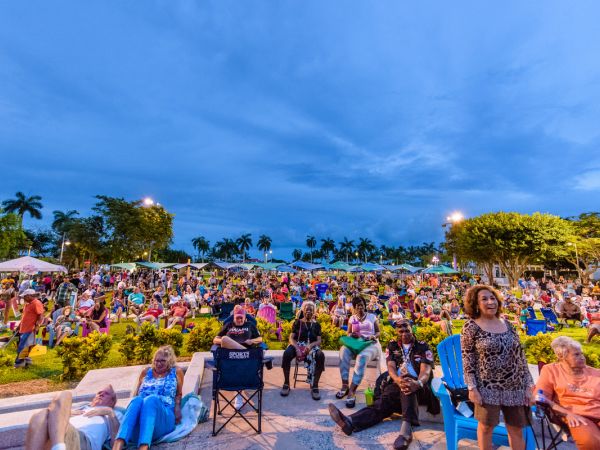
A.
x: 540, y: 402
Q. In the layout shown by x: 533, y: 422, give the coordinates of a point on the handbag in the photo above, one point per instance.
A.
x: 355, y: 345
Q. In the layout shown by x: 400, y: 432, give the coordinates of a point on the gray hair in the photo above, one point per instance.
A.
x: 562, y: 344
x: 307, y: 303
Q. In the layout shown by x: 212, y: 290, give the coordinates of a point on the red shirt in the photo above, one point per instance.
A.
x: 179, y: 311
x: 154, y: 312
x: 31, y: 314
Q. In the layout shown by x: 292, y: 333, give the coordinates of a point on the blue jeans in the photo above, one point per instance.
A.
x: 146, y: 419
x: 24, y: 345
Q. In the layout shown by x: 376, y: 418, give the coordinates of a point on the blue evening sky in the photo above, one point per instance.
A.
x: 332, y: 118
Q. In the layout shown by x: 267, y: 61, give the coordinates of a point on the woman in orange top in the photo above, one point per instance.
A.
x: 573, y: 390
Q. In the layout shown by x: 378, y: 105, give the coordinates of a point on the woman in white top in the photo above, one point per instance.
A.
x: 362, y: 325
x: 190, y: 298
x: 174, y: 297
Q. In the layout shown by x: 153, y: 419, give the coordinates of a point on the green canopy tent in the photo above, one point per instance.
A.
x: 126, y: 266
x: 440, y: 270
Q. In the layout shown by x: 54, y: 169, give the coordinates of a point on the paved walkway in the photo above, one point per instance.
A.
x: 299, y: 422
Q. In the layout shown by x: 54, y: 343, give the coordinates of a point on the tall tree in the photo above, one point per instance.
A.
x: 365, y: 247
x: 346, y: 247
x: 62, y: 220
x: 311, y: 243
x: 12, y: 236
x: 327, y: 247
x: 511, y: 240
x: 201, y: 245
x: 297, y: 254
x: 41, y: 243
x: 264, y: 243
x: 584, y: 245
x: 22, y: 204
x: 244, y: 242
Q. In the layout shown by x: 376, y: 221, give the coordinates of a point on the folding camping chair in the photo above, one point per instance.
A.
x: 237, y: 371
x: 531, y: 312
x: 534, y: 326
x: 457, y: 426
x: 551, y: 318
x: 226, y: 310
x: 286, y: 311
x: 551, y: 423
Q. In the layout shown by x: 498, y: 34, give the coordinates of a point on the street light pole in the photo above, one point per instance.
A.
x: 451, y: 220
x: 62, y: 247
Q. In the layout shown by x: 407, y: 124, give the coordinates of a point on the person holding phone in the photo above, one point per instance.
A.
x: 410, y: 371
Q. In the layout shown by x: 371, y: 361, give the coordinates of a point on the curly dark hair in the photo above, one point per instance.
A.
x: 357, y: 300
x: 471, y: 304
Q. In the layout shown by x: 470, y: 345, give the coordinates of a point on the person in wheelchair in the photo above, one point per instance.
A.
x: 410, y: 370
x: 572, y: 389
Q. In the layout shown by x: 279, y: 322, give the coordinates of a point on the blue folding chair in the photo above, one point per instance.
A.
x: 551, y: 317
x: 226, y: 310
x: 237, y: 371
x: 457, y: 426
x: 535, y: 326
x: 531, y: 312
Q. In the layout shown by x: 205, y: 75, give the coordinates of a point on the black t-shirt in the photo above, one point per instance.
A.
x: 306, y: 332
x: 240, y: 334
x: 418, y: 353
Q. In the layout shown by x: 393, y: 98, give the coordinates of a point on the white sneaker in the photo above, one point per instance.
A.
x: 238, y: 402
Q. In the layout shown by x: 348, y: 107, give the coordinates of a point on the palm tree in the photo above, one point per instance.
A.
x: 311, y: 243
x: 244, y: 242
x: 230, y: 248
x: 297, y: 254
x: 22, y: 205
x: 201, y: 245
x: 62, y: 220
x: 365, y: 247
x: 264, y: 243
x: 327, y: 246
x: 346, y: 247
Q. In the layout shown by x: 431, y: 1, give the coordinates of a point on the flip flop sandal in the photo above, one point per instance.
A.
x: 285, y: 390
x: 342, y: 392
x: 350, y: 402
x: 315, y: 394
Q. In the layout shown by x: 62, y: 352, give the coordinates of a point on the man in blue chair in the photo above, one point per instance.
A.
x: 410, y: 367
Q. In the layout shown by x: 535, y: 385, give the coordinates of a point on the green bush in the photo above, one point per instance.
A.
x: 286, y: 330
x: 127, y: 348
x: 387, y: 333
x: 5, y: 360
x: 171, y: 337
x: 82, y: 354
x: 430, y: 333
x: 592, y: 358
x: 330, y: 336
x: 201, y: 337
x: 537, y: 348
x: 266, y: 329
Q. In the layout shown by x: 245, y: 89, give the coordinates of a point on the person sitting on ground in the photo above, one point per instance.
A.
x: 33, y: 316
x: 410, y: 370
x: 87, y: 427
x: 156, y: 406
x: 135, y: 302
x: 98, y: 317
x: 177, y: 314
x: 572, y: 389
x: 239, y: 334
x: 363, y: 326
x: 304, y: 345
x: 152, y: 314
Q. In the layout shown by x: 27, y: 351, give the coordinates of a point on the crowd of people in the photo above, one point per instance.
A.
x: 359, y: 304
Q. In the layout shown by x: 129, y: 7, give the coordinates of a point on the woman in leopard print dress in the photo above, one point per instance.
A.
x: 495, y: 367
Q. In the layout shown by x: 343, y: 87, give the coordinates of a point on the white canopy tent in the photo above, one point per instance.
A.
x: 30, y: 266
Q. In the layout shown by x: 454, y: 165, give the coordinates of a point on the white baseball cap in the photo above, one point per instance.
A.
x: 28, y: 292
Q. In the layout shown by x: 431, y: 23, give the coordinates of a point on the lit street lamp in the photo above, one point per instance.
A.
x: 435, y: 260
x: 62, y: 247
x: 148, y: 201
x: 452, y: 219
x: 267, y: 256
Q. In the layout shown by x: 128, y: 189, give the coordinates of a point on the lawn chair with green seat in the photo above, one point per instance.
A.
x: 286, y: 311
